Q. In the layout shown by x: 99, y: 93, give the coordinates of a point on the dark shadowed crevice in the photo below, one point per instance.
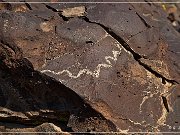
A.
x: 164, y: 79
x: 24, y: 95
x: 63, y: 17
x: 89, y: 42
x: 115, y: 36
x: 55, y: 29
x: 28, y: 6
x: 59, y: 13
x: 165, y: 102
x: 51, y: 8
x: 136, y: 56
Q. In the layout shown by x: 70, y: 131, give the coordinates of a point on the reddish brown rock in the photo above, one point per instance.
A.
x: 111, y: 67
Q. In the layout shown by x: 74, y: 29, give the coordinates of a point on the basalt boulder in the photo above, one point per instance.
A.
x: 89, y: 67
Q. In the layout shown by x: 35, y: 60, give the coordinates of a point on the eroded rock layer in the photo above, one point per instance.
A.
x: 89, y: 67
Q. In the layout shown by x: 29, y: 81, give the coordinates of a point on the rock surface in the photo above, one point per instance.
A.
x: 88, y: 67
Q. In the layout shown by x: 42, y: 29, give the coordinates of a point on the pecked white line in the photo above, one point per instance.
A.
x: 96, y: 72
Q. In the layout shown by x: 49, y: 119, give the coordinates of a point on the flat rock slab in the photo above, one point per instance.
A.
x: 118, y: 58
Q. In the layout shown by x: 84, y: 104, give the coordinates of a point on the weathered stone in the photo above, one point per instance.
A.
x: 73, y: 12
x: 112, y: 68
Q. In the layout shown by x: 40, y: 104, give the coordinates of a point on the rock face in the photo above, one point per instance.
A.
x: 88, y: 67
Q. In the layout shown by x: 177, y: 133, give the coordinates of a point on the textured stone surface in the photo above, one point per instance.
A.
x: 43, y: 128
x: 102, y: 67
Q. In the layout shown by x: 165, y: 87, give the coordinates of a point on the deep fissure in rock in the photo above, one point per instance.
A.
x: 136, y: 56
x: 59, y: 13
x: 51, y: 8
x: 28, y: 6
x: 165, y: 102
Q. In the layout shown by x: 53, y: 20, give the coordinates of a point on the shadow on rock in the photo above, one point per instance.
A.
x: 30, y: 98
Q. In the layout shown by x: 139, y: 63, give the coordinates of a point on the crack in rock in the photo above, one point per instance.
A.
x: 68, y: 13
x: 28, y: 6
x: 136, y: 56
x: 144, y: 21
x: 165, y: 103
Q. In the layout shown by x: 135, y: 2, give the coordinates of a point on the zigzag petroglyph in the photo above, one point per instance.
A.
x: 87, y: 71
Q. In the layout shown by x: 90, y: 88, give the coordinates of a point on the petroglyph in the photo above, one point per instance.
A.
x: 96, y: 72
x: 152, y: 17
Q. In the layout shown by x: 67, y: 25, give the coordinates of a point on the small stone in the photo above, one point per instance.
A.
x: 21, y: 8
x: 75, y: 11
x: 46, y: 27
